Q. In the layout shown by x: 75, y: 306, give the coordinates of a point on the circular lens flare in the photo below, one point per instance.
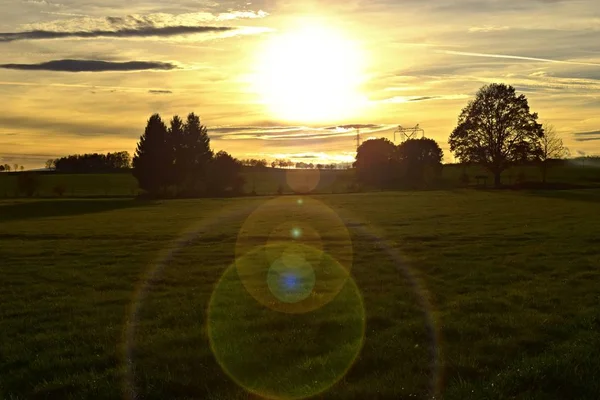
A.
x: 291, y: 280
x: 277, y: 355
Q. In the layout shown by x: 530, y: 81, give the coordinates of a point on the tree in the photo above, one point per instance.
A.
x: 374, y: 160
x: 151, y: 163
x: 225, y: 175
x: 1, y: 168
x: 419, y: 160
x: 496, y: 130
x: 28, y: 183
x: 22, y: 168
x: 50, y: 164
x: 192, y: 155
x: 552, y: 148
x: 15, y: 167
x: 7, y: 167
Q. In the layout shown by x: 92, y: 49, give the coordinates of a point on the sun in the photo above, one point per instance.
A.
x: 312, y: 74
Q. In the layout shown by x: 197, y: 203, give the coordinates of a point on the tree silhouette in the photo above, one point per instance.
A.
x: 552, y: 148
x: 7, y: 167
x: 419, y: 159
x: 1, y: 168
x: 225, y: 175
x: 496, y: 130
x: 374, y: 162
x: 86, y: 163
x: 193, y: 156
x: 175, y: 147
x: 151, y: 163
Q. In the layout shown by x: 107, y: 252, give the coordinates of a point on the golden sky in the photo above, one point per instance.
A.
x: 278, y: 78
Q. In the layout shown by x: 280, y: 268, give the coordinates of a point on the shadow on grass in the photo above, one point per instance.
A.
x: 59, y: 208
x: 588, y: 195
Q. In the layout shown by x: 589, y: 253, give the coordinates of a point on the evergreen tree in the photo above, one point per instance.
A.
x: 194, y: 155
x: 176, y: 137
x: 152, y: 162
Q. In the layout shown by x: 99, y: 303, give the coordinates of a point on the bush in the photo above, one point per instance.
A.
x: 28, y: 183
x: 59, y: 189
x: 465, y: 179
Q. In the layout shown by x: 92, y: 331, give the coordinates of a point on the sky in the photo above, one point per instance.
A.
x: 286, y: 79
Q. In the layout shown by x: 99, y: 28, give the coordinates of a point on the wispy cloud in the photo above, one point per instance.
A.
x: 120, y: 33
x: 160, y: 91
x: 587, y: 136
x: 488, y: 28
x: 292, y: 133
x: 91, y: 66
x: 411, y: 99
x: 41, y: 3
x: 511, y: 57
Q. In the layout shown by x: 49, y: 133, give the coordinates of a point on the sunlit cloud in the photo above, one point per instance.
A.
x: 511, y: 57
x: 412, y: 99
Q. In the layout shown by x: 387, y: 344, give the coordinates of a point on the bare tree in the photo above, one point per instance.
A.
x: 552, y: 148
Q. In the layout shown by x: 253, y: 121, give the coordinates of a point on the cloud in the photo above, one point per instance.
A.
x: 41, y: 3
x: 143, y: 31
x: 410, y: 99
x: 159, y: 91
x: 91, y: 66
x: 587, y: 136
x: 294, y: 133
x: 511, y: 57
x: 488, y: 28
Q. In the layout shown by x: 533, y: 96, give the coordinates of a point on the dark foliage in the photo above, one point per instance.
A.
x: 497, y: 130
x: 28, y: 183
x: 416, y: 162
x: 179, y: 161
x: 375, y: 162
x: 152, y: 163
x: 419, y: 161
x: 225, y: 175
x: 91, y: 163
x: 252, y: 162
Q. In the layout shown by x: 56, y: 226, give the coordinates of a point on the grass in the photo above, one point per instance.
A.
x: 268, y: 181
x: 454, y: 294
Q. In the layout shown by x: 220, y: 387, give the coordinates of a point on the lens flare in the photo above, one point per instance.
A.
x: 283, y: 229
x: 291, y: 280
x: 303, y: 180
x: 280, y: 355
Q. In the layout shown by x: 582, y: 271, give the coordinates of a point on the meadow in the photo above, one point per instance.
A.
x: 269, y: 181
x: 456, y: 294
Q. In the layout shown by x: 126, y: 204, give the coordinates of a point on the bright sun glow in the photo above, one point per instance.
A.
x: 310, y: 75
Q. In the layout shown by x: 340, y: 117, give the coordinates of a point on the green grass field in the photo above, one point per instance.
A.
x: 268, y: 181
x: 453, y: 294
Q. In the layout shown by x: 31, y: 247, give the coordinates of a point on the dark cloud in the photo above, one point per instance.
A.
x: 91, y: 66
x: 591, y: 133
x: 587, y: 136
x: 141, y: 31
x: 423, y: 98
x: 159, y: 91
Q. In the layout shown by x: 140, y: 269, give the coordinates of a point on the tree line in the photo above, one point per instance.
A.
x: 8, y: 168
x: 495, y: 130
x: 416, y: 162
x: 91, y: 163
x: 178, y: 161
